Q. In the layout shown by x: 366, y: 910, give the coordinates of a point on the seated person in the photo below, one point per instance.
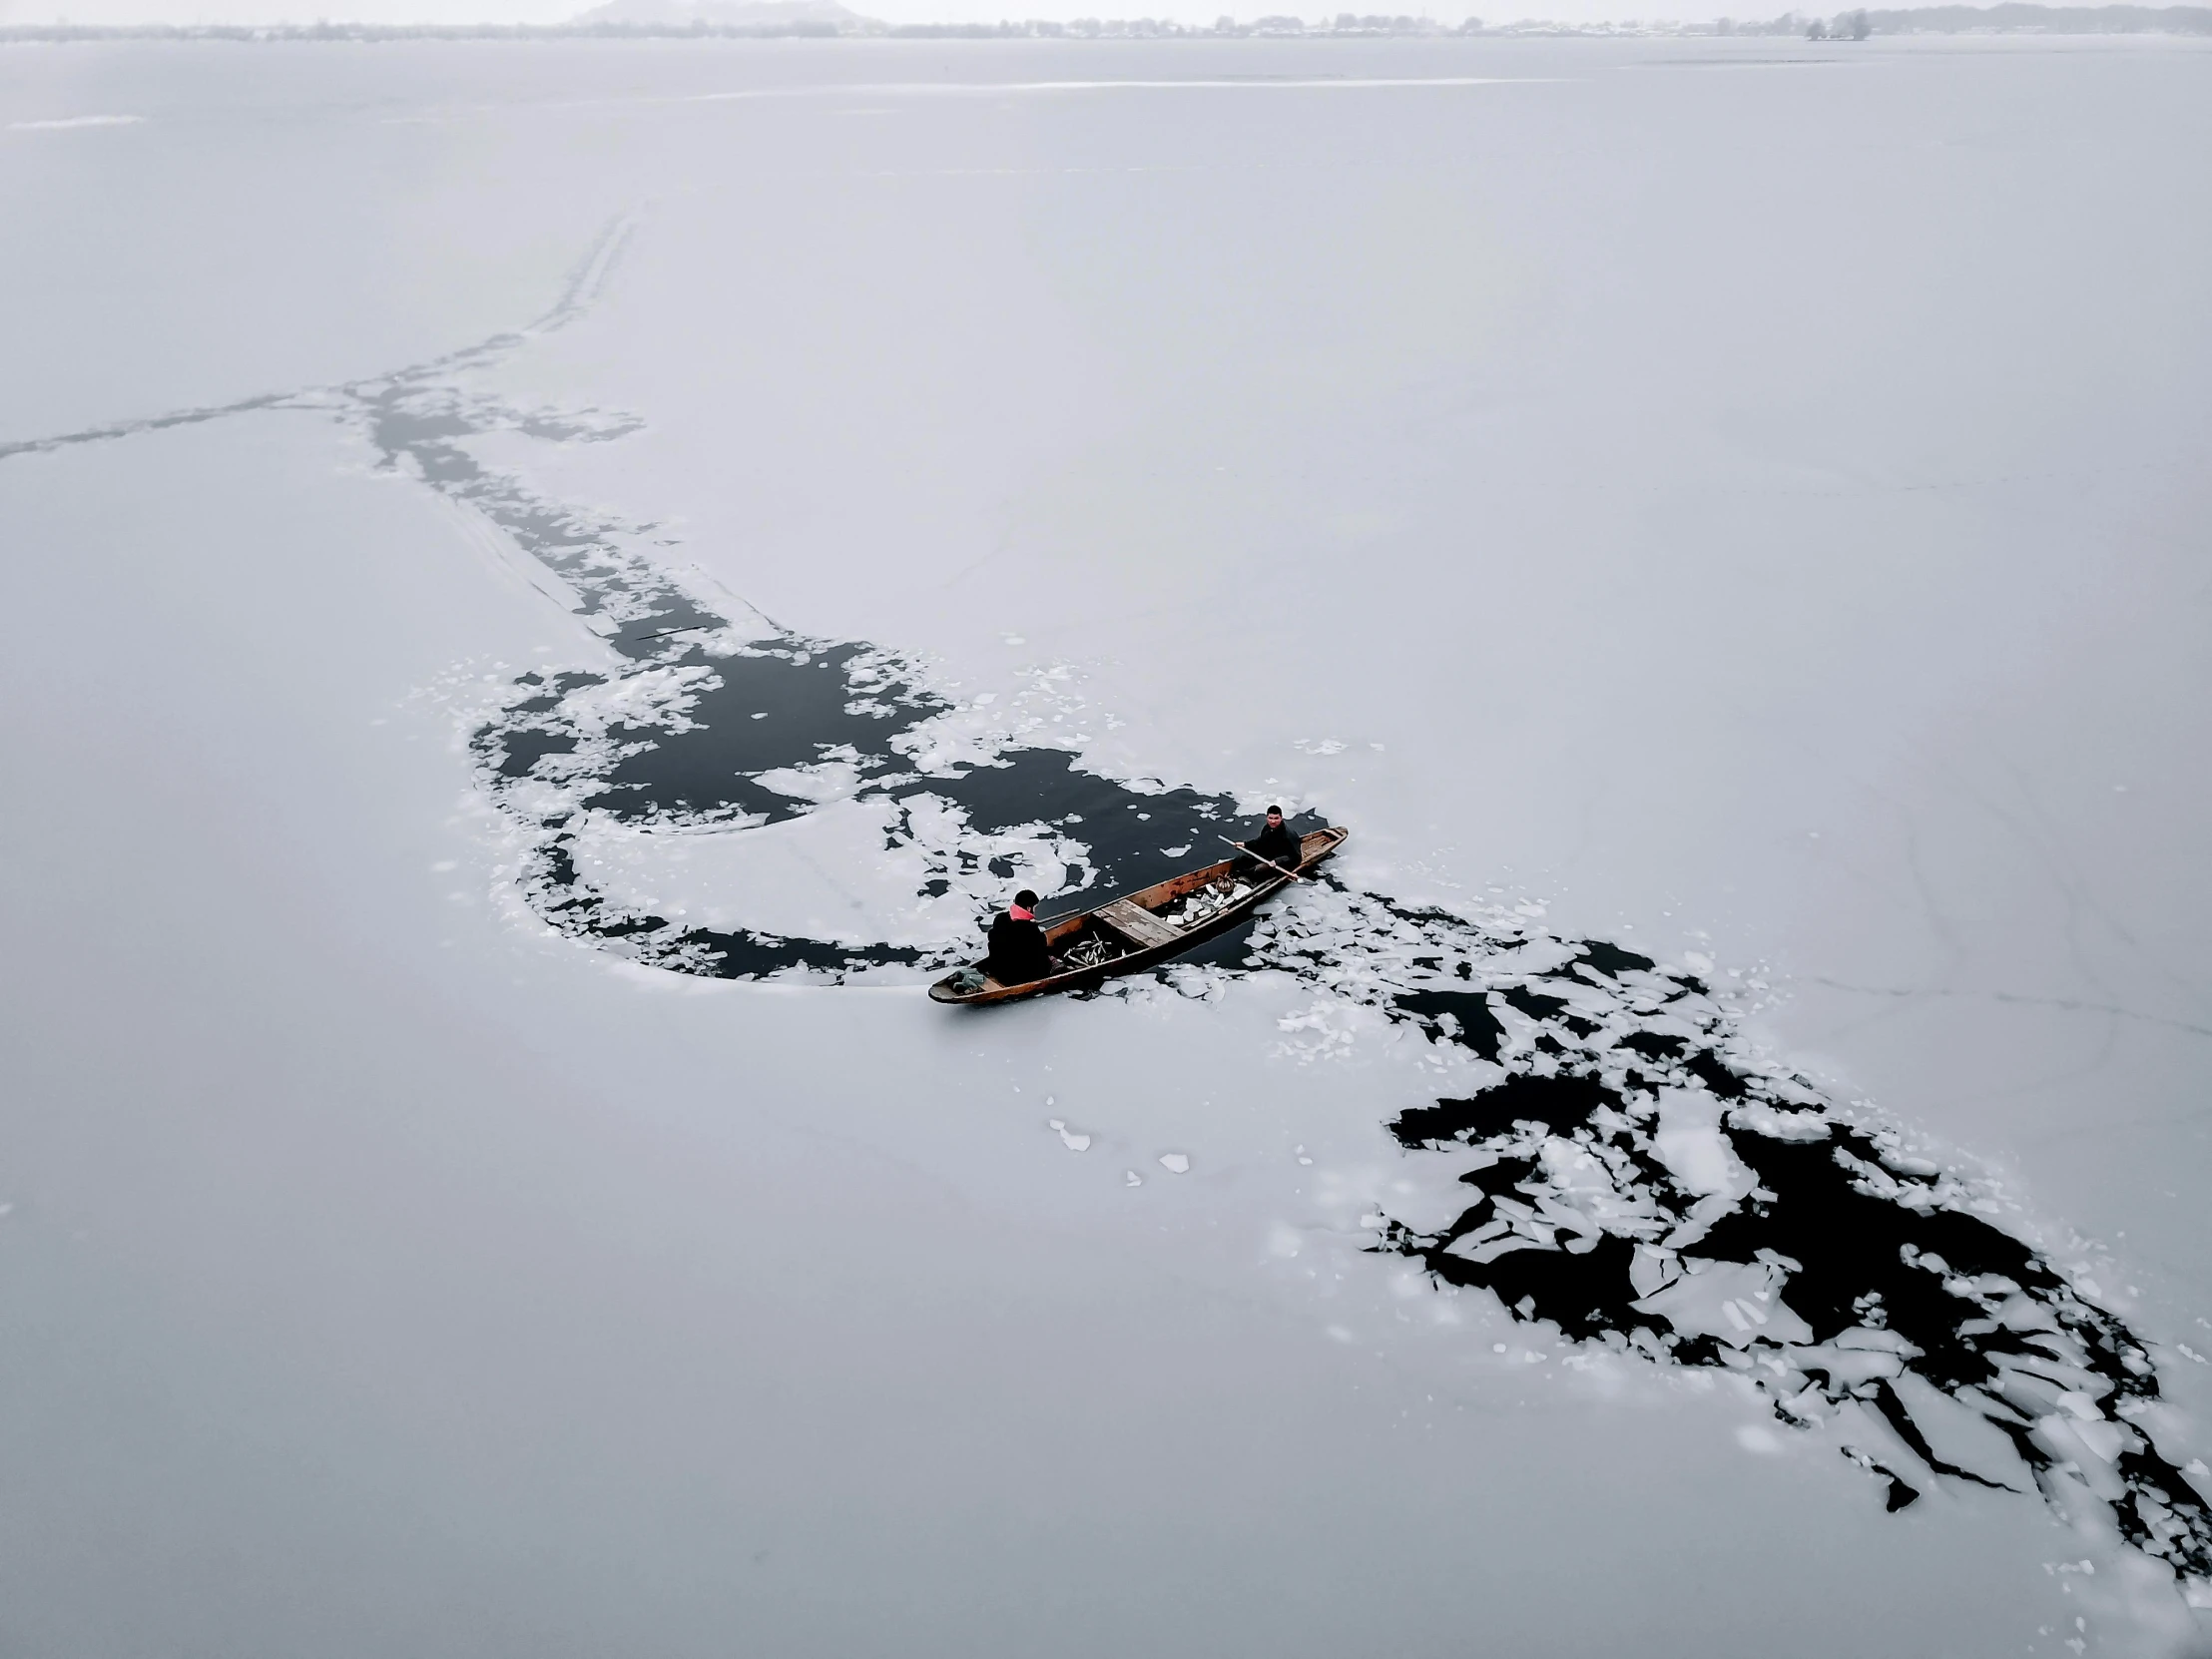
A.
x: 1018, y: 953
x: 1277, y: 843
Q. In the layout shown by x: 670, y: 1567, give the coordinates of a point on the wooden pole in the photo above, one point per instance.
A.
x: 1270, y: 862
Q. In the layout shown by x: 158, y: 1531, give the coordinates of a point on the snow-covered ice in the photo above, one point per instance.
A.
x: 504, y: 535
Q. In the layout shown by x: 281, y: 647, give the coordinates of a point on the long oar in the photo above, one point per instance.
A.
x: 1270, y: 862
x: 1047, y: 921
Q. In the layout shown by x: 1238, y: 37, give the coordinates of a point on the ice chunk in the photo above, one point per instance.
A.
x: 2082, y: 1404
x: 1733, y: 1300
x: 1762, y: 1119
x: 824, y: 781
x: 1652, y: 1269
x: 1688, y: 1141
x: 1175, y: 1163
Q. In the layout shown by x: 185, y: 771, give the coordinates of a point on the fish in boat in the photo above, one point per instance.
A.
x: 1145, y: 927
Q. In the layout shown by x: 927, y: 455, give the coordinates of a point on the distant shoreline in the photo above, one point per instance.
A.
x: 2007, y: 19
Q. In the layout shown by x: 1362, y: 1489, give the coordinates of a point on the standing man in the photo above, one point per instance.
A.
x: 1276, y: 844
x: 1018, y: 953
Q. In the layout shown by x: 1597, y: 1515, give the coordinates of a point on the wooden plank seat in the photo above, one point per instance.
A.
x: 1137, y: 924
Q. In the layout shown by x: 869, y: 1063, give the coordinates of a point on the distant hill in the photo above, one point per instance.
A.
x: 718, y: 14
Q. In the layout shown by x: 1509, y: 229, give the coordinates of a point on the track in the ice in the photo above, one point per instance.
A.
x: 1631, y: 1174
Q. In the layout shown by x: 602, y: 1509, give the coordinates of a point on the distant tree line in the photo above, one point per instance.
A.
x: 1856, y: 25
x: 2000, y: 19
x: 1083, y: 28
x: 2053, y: 20
x: 1150, y: 28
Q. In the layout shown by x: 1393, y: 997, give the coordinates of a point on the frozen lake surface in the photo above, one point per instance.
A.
x: 558, y: 582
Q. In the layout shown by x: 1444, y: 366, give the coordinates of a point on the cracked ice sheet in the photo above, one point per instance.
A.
x: 1698, y: 822
x: 567, y: 1181
x: 1971, y: 843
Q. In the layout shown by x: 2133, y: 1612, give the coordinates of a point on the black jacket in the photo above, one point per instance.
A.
x: 1279, y: 846
x: 1018, y: 953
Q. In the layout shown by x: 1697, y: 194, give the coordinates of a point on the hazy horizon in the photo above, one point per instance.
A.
x: 127, y: 14
x: 189, y: 13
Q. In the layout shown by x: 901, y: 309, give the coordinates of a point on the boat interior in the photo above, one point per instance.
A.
x: 1163, y: 914
x: 1158, y: 920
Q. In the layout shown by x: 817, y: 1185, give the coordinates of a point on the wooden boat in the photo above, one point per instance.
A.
x: 1145, y: 928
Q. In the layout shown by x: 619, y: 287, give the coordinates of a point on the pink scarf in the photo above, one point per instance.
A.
x: 1020, y: 915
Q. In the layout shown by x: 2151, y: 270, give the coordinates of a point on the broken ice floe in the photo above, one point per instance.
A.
x: 1634, y: 1176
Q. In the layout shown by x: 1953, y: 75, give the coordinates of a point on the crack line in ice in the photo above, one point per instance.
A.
x: 2069, y: 1004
